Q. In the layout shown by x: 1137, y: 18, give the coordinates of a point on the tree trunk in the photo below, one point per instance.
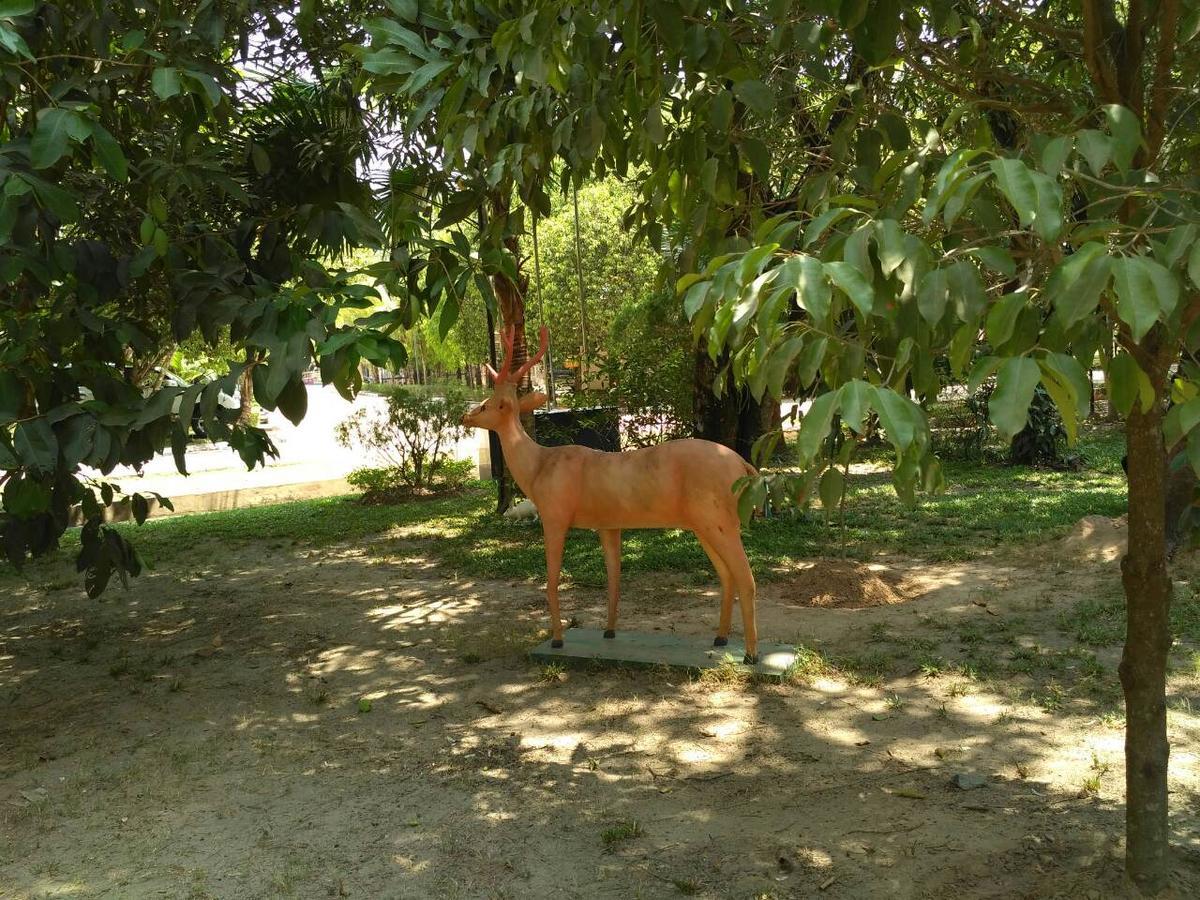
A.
x: 1144, y: 660
x: 246, y: 396
x: 734, y: 419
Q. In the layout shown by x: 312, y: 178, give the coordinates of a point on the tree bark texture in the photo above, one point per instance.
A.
x: 1143, y: 666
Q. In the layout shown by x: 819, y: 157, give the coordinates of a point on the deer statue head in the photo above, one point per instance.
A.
x: 504, y: 405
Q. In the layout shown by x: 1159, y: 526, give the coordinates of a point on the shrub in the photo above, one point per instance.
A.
x: 411, y: 436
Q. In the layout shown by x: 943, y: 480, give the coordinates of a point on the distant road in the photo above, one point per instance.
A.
x: 307, y: 452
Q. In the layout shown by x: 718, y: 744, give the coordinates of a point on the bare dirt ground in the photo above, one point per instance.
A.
x: 277, y: 721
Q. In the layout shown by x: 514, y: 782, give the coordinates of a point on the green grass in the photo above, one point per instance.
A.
x: 986, y: 507
x: 1100, y: 621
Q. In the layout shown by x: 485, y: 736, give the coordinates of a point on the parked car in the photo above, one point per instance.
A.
x: 173, y: 379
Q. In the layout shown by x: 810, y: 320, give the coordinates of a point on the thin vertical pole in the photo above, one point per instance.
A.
x: 537, y: 274
x: 583, y: 347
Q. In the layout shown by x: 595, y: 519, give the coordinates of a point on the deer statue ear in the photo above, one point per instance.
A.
x: 533, y: 401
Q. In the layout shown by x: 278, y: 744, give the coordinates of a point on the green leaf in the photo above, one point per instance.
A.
x: 1075, y: 286
x: 757, y: 155
x: 1002, y: 318
x: 108, y: 152
x: 1009, y: 404
x: 1095, y: 147
x: 855, y: 398
x: 810, y: 359
x: 293, y: 400
x: 963, y: 192
x: 25, y: 497
x: 1146, y: 291
x: 813, y: 292
x: 961, y: 347
x: 852, y: 282
x: 815, y: 425
x: 964, y: 285
x: 997, y: 259
x: 694, y: 299
x: 932, y: 296
x: 1126, y: 135
x: 891, y: 249
x: 1182, y: 237
x: 1126, y: 383
x: 780, y: 363
x: 1055, y: 153
x: 12, y: 397
x: 52, y: 137
x: 1193, y: 265
x: 11, y: 41
x: 984, y: 368
x: 141, y: 508
x: 755, y: 95
x: 831, y: 489
x: 76, y: 436
x: 1181, y: 420
x: 10, y: 9
x: 36, y: 444
x: 1035, y: 196
x: 1069, y: 387
x: 753, y: 493
x: 900, y: 417
x: 821, y: 223
x: 653, y: 125
x: 165, y: 82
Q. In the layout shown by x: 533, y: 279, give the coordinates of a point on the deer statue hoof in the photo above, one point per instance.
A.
x: 610, y: 633
x: 720, y: 641
x: 750, y: 659
x: 556, y: 643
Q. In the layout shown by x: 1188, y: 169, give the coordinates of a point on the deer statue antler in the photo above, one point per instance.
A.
x: 508, y: 337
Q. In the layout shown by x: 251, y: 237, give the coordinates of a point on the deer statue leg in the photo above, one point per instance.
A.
x: 610, y: 540
x: 555, y: 537
x: 726, y: 620
x: 726, y: 541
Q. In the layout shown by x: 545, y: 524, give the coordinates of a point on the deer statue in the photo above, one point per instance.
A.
x: 679, y: 484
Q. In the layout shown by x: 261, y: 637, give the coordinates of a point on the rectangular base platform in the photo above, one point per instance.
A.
x: 583, y: 646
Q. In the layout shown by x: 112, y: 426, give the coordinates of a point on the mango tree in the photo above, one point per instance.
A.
x: 1049, y: 219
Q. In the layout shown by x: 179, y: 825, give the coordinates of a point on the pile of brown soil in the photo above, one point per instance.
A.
x: 1096, y: 538
x: 843, y: 584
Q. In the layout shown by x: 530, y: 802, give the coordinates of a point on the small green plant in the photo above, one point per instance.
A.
x: 552, y: 673
x: 1099, y: 766
x: 411, y: 435
x: 686, y: 886
x: 1091, y: 785
x: 622, y: 831
x: 895, y: 702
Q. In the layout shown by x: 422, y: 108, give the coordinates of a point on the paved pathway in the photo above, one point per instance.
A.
x: 308, y: 452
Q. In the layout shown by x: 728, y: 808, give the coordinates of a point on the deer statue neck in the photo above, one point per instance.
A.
x: 522, y: 454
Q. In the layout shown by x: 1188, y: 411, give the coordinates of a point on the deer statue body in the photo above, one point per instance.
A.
x: 679, y: 484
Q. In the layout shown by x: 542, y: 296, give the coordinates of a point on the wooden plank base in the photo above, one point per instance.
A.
x: 583, y: 646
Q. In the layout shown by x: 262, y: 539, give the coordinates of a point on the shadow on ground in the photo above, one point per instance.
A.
x: 343, y: 724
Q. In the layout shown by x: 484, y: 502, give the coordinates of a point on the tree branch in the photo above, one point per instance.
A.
x: 1168, y: 41
x: 1096, y: 39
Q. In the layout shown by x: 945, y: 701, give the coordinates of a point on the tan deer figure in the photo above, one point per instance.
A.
x: 680, y: 484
